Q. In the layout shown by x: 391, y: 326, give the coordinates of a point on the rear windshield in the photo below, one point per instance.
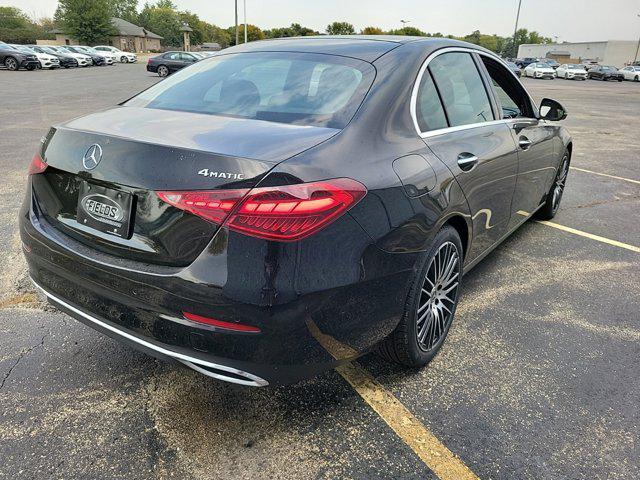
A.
x: 296, y: 88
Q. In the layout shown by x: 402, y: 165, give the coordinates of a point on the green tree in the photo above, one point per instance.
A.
x: 163, y: 19
x: 87, y: 20
x: 295, y: 30
x: 17, y: 27
x: 409, y: 31
x: 340, y: 28
x: 125, y: 9
x: 253, y: 33
x: 372, y: 31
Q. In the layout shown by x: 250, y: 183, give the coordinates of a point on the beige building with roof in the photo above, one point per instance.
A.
x: 130, y: 38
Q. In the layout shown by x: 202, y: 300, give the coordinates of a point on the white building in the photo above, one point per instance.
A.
x: 610, y: 52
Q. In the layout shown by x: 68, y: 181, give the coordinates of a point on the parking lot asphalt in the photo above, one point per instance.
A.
x: 538, y: 378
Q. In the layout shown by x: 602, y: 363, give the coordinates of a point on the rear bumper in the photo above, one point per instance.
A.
x: 143, y: 307
x: 215, y: 370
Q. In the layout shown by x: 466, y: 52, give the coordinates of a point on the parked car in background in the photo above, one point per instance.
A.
x: 571, y: 71
x: 524, y: 62
x: 14, y: 59
x: 311, y: 201
x: 122, y: 57
x: 110, y: 58
x: 170, y: 62
x: 44, y: 59
x: 539, y: 70
x: 587, y: 64
x: 66, y: 60
x: 83, y: 59
x: 632, y: 72
x: 605, y: 72
x: 514, y: 68
x: 551, y: 62
x: 97, y: 60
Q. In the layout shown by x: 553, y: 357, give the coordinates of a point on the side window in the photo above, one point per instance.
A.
x: 429, y: 111
x: 463, y: 93
x: 171, y: 56
x: 513, y: 99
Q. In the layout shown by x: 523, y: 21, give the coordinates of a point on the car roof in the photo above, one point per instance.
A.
x: 363, y: 47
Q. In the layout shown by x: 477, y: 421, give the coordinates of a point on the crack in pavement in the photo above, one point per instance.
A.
x: 23, y: 354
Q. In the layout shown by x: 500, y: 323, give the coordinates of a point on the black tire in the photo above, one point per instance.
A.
x: 402, y: 345
x: 31, y: 67
x: 124, y: 59
x: 635, y: 79
x: 552, y: 202
x: 11, y: 64
x: 163, y: 70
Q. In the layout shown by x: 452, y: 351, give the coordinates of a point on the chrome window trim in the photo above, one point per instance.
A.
x: 192, y: 362
x: 442, y: 131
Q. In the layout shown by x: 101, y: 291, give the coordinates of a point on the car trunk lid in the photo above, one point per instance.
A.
x: 126, y: 154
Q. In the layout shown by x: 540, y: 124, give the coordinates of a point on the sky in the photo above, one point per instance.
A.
x: 569, y: 20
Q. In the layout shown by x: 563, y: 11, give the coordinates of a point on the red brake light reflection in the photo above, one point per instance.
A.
x: 37, y: 165
x: 284, y: 213
x: 238, y: 327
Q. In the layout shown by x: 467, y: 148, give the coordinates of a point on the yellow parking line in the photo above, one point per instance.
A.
x: 597, y: 238
x: 606, y: 175
x: 428, y: 448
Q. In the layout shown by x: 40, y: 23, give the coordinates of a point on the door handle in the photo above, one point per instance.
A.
x: 466, y: 161
x: 524, y: 143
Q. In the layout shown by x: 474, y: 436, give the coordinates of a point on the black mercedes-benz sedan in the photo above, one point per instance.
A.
x: 170, y: 62
x: 286, y: 195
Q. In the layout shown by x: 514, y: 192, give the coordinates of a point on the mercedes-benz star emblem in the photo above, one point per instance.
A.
x: 93, y: 156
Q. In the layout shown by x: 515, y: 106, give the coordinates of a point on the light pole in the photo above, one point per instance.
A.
x: 404, y: 22
x: 245, y: 21
x: 515, y: 30
x: 635, y: 59
x: 236, y: 1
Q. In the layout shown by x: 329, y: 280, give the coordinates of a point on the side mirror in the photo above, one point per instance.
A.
x: 552, y: 110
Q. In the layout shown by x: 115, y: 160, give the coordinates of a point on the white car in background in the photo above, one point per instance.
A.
x: 122, y: 57
x: 632, y: 72
x: 571, y: 71
x: 540, y: 70
x: 83, y: 60
x: 109, y: 58
x: 46, y: 60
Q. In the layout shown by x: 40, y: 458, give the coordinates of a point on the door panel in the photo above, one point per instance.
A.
x: 490, y: 184
x: 536, y: 164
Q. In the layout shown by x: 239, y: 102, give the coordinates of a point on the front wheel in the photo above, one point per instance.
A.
x: 163, y: 71
x: 124, y: 60
x: 11, y: 64
x: 430, y: 305
x: 552, y: 202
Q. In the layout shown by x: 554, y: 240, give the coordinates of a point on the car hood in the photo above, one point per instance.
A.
x: 237, y: 137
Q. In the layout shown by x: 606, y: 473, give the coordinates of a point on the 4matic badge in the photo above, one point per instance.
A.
x: 205, y: 172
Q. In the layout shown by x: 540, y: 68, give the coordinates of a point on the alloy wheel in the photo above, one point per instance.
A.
x: 163, y: 71
x: 11, y: 63
x: 561, y: 178
x: 124, y: 60
x: 438, y: 296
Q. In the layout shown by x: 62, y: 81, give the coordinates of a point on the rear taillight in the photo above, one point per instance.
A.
x: 37, y: 165
x: 284, y: 213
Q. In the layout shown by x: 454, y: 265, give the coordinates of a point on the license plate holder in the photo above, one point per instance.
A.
x: 105, y: 209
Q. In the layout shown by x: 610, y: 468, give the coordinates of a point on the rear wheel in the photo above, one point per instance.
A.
x: 636, y: 78
x: 430, y: 306
x: 124, y: 59
x: 552, y: 202
x: 11, y: 64
x: 163, y: 71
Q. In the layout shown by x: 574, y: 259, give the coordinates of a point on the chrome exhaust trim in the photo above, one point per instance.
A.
x: 209, y: 369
